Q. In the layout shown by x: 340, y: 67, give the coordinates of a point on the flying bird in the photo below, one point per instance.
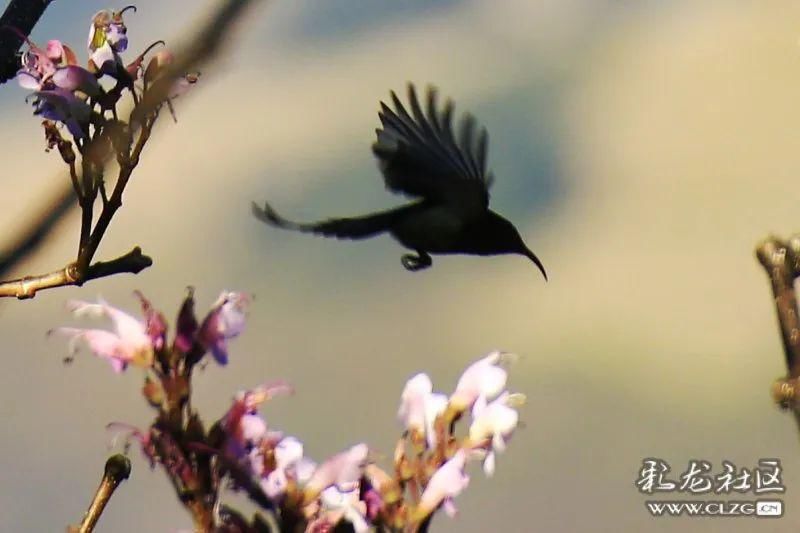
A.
x: 421, y: 156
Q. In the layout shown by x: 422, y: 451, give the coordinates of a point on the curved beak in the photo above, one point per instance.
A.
x: 532, y: 256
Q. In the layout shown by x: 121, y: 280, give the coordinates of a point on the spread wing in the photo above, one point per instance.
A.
x: 420, y: 154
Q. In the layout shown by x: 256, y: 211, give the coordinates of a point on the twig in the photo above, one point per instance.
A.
x: 117, y: 470
x: 781, y: 260
x: 22, y: 15
x: 23, y: 288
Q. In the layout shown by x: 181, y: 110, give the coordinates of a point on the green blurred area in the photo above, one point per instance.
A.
x: 641, y: 148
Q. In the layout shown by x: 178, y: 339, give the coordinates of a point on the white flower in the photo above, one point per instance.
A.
x: 485, y: 377
x: 346, y: 506
x: 495, y: 421
x: 289, y: 463
x: 445, y: 484
x: 343, y: 470
x: 419, y: 407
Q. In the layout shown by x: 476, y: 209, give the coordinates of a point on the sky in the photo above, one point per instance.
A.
x: 642, y: 149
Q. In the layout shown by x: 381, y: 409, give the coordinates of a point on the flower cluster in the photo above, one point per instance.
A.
x: 242, y: 452
x: 65, y: 92
x: 429, y: 461
x: 143, y: 343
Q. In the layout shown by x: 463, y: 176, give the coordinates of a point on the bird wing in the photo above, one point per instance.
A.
x: 420, y: 154
x: 341, y: 228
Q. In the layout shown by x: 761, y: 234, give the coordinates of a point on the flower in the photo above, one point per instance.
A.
x: 495, y: 421
x: 485, y: 377
x: 154, y: 321
x: 445, y: 484
x: 345, y: 505
x: 343, y: 470
x: 39, y: 67
x: 129, y: 343
x: 75, y: 78
x: 108, y: 28
x: 225, y: 321
x: 242, y: 424
x: 289, y: 464
x: 63, y: 106
x: 419, y: 407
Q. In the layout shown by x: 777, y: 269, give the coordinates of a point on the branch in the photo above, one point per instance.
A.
x: 200, y: 48
x: 781, y: 260
x: 23, y: 288
x: 117, y: 470
x: 22, y: 15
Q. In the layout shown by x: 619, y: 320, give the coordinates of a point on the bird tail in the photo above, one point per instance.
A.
x: 340, y: 228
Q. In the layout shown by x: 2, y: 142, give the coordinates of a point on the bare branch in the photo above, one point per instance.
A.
x: 23, y: 288
x: 117, y: 470
x: 781, y: 260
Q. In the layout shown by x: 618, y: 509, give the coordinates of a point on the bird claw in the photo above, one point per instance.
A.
x: 417, y: 262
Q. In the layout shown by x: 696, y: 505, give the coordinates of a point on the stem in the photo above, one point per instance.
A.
x: 781, y: 260
x: 23, y: 288
x: 114, y: 202
x: 117, y: 470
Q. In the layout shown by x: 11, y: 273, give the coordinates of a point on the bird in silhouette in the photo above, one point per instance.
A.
x: 421, y: 156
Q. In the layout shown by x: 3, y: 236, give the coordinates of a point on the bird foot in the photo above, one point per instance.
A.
x: 417, y: 262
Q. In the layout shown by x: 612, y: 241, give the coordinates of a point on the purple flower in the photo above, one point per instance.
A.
x: 75, y: 78
x: 225, y: 321
x: 243, y: 426
x: 63, y: 106
x: 128, y: 343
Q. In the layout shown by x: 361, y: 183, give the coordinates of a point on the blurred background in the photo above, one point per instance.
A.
x: 642, y: 148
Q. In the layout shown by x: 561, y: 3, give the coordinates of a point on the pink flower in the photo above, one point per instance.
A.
x: 154, y: 322
x: 128, y: 343
x: 485, y: 377
x: 445, y: 484
x: 419, y: 407
x: 494, y: 421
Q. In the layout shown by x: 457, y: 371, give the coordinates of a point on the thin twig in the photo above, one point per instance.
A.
x: 117, y: 470
x: 781, y: 260
x: 23, y: 288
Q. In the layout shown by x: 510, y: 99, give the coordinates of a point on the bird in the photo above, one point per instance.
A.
x: 444, y: 171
